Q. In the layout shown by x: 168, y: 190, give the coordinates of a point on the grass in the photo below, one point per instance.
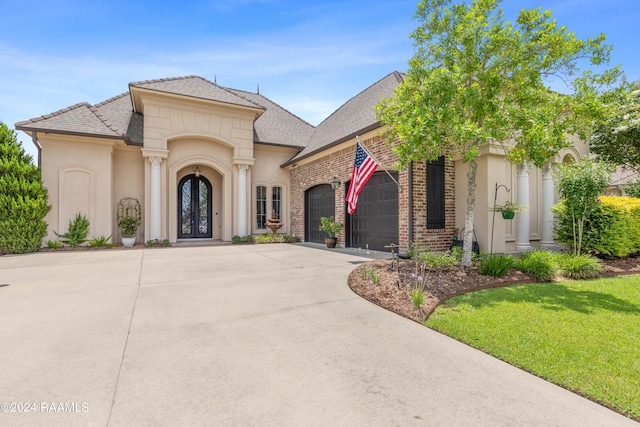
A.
x: 583, y: 335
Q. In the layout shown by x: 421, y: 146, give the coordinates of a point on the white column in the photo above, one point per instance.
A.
x: 522, y: 240
x: 155, y: 213
x: 242, y: 200
x: 547, y: 204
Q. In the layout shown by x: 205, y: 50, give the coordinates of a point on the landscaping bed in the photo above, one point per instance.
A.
x: 393, y: 292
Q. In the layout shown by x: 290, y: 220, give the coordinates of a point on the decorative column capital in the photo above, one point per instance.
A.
x: 152, y: 152
x: 243, y: 168
x: 547, y: 170
x: 523, y: 169
x: 155, y: 161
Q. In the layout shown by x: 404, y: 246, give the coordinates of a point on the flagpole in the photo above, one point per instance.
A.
x: 376, y: 160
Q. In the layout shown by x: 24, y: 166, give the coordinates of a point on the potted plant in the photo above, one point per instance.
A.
x: 331, y: 227
x: 129, y: 218
x: 509, y: 209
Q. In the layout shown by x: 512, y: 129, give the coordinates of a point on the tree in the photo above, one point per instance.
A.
x: 23, y: 198
x: 579, y: 185
x: 475, y: 78
x: 617, y: 140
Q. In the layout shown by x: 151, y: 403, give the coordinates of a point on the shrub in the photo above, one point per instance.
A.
x: 53, y: 245
x: 77, y: 233
x: 434, y: 261
x: 100, y: 241
x: 415, y: 251
x: 612, y: 229
x: 456, y: 252
x: 246, y: 239
x: 157, y: 242
x: 579, y: 267
x: 276, y: 238
x: 541, y: 265
x: 580, y: 184
x: 496, y: 265
x: 23, y: 198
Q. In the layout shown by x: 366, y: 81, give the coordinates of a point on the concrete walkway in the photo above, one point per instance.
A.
x: 241, y: 335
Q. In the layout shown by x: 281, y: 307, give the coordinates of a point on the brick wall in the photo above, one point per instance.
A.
x: 340, y: 164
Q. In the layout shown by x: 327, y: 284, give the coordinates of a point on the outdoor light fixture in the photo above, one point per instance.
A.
x: 335, y: 183
x: 196, y: 171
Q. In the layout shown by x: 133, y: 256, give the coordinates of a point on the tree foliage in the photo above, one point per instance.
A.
x: 476, y: 78
x: 580, y: 185
x: 617, y: 140
x: 23, y: 198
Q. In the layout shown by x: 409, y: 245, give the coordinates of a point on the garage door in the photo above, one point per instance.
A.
x: 319, y: 201
x: 375, y: 221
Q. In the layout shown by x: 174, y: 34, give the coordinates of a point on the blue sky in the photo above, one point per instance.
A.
x: 310, y: 57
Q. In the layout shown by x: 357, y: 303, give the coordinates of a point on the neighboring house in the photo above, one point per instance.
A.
x: 621, y: 177
x: 209, y: 162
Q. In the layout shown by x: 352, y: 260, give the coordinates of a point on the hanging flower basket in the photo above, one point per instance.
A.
x: 509, y: 209
x: 508, y: 215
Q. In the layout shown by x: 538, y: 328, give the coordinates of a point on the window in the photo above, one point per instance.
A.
x: 261, y: 207
x: 276, y: 201
x: 268, y: 199
x: 435, y: 194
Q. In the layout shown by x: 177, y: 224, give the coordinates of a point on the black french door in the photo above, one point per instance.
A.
x: 194, y: 207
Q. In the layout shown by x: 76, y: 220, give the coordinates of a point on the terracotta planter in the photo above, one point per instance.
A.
x: 508, y: 215
x: 331, y: 241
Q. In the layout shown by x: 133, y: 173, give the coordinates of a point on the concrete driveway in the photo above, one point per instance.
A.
x: 241, y: 335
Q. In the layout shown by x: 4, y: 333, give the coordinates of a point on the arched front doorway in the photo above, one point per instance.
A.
x: 194, y: 207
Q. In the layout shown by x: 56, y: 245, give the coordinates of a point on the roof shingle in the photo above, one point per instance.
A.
x: 115, y: 118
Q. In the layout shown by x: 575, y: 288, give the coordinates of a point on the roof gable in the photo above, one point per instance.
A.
x: 355, y: 116
x: 193, y: 87
x: 80, y: 119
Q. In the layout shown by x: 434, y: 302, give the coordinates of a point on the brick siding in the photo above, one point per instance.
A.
x: 340, y: 164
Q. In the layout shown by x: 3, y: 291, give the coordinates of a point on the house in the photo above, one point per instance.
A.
x: 210, y: 162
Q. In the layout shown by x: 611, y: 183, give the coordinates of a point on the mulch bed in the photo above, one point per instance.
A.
x: 394, y: 290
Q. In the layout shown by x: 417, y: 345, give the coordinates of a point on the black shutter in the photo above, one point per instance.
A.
x: 435, y: 194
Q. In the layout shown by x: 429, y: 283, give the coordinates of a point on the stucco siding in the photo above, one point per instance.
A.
x: 78, y: 173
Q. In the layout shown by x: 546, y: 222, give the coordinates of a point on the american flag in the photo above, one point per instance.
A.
x: 363, y: 167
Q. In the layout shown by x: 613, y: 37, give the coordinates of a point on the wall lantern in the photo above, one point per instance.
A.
x: 335, y: 183
x: 196, y: 171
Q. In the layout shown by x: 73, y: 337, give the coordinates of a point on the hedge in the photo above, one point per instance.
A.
x: 612, y: 231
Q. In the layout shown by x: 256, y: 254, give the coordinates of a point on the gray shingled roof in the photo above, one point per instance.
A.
x: 355, y: 116
x: 80, y: 119
x: 114, y: 117
x: 195, y: 87
x: 277, y: 125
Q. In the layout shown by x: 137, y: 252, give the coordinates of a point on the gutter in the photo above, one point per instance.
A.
x: 34, y: 139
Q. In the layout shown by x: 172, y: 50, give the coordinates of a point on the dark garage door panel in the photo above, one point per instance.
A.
x: 375, y: 221
x: 319, y: 201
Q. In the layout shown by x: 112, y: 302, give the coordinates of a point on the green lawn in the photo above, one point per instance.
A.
x: 583, y: 335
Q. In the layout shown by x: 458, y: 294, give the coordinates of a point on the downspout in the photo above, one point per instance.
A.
x: 34, y: 138
x: 410, y: 202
